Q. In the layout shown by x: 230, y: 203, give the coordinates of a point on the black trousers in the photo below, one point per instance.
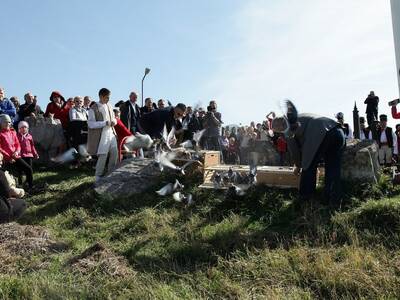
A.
x: 11, y: 209
x: 330, y: 151
x: 29, y: 161
x: 371, y: 117
x: 21, y: 166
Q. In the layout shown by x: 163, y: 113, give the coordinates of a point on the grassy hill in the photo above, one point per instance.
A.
x: 258, y: 247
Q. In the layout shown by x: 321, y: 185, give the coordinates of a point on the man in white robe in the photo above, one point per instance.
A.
x: 102, y: 138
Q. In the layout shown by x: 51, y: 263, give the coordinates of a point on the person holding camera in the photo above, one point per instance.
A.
x: 372, y: 102
x: 212, y: 123
x: 30, y: 108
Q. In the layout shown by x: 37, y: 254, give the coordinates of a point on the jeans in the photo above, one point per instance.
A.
x: 331, y: 151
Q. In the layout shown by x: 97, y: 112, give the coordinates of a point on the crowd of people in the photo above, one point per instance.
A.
x: 375, y: 127
x: 103, y: 129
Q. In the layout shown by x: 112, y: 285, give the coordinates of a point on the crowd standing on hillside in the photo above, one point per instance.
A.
x: 103, y: 129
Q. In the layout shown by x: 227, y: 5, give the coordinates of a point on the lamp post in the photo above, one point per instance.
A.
x: 146, y: 71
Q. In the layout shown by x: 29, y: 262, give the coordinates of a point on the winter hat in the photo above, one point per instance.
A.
x: 55, y: 94
x: 5, y: 118
x: 23, y: 124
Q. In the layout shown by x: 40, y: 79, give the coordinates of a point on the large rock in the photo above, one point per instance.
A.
x: 360, y: 161
x: 48, y: 135
x: 133, y: 176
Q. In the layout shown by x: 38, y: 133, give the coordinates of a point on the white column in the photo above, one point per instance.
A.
x: 395, y: 5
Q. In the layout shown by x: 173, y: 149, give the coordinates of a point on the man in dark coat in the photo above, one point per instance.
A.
x: 212, y: 123
x: 191, y: 123
x: 29, y: 108
x: 130, y: 113
x: 148, y: 106
x: 310, y: 139
x: 372, y: 108
x: 153, y: 122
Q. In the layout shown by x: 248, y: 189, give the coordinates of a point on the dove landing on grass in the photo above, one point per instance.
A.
x: 234, y: 191
x: 181, y: 198
x: 252, y: 176
x: 72, y: 154
x: 170, y: 188
x: 217, y: 180
x: 66, y: 157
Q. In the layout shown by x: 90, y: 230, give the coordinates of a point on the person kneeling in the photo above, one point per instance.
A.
x: 11, y: 206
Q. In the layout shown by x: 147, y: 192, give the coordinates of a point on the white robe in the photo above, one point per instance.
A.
x: 108, y: 136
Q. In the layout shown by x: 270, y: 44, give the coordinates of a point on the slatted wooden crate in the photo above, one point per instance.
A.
x: 207, y: 158
x: 282, y: 177
x: 211, y: 158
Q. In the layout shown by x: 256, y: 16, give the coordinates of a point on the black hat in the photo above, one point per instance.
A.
x: 362, y: 120
x: 383, y: 117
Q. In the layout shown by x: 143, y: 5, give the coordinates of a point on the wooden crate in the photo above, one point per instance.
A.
x: 211, y: 158
x: 282, y: 177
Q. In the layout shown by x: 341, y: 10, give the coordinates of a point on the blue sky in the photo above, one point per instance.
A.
x: 248, y: 55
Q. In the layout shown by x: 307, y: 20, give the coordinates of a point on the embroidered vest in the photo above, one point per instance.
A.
x: 94, y: 135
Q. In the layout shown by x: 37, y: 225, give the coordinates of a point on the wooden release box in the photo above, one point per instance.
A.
x: 211, y: 158
x: 282, y: 177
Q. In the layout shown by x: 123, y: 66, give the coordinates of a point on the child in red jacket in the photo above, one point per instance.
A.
x: 28, y: 150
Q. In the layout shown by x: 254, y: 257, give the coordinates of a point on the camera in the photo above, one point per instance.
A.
x: 394, y: 102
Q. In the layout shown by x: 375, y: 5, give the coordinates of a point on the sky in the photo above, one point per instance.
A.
x: 247, y: 55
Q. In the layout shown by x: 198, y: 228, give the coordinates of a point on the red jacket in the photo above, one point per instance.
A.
x: 395, y: 114
x: 122, y: 133
x: 27, y: 145
x: 61, y: 113
x: 281, y: 144
x: 9, y: 144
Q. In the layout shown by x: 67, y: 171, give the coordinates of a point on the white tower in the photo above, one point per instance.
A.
x: 395, y: 5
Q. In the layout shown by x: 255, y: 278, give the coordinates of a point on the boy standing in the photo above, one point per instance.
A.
x: 102, y: 139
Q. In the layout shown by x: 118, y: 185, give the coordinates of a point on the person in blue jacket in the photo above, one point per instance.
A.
x: 6, y: 106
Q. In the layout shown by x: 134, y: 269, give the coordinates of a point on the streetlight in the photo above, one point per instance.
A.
x: 146, y: 71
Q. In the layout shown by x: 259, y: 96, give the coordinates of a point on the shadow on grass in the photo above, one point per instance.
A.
x: 264, y: 217
x: 80, y: 196
x: 267, y: 222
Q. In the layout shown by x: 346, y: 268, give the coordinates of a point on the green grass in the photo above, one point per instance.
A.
x: 258, y: 247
